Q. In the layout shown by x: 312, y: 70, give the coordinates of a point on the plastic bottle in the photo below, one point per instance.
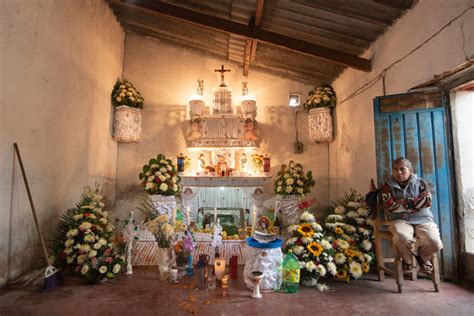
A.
x: 291, y: 273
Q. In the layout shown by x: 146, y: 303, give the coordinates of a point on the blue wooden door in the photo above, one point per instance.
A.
x: 414, y: 126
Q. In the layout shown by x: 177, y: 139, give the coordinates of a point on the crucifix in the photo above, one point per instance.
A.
x: 222, y: 70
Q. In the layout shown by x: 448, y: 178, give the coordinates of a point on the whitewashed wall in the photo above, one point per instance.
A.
x: 59, y: 61
x: 352, y: 155
x: 167, y: 76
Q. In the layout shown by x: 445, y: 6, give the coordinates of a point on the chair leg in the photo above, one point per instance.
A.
x: 399, y: 274
x: 379, y: 255
x: 414, y: 271
x: 435, y: 273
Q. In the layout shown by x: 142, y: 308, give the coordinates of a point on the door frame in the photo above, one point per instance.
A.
x: 447, y: 118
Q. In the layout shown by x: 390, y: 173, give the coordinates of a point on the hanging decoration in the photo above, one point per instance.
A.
x: 127, y: 102
x: 319, y: 104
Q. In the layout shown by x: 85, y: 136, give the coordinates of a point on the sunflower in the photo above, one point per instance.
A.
x: 339, y: 231
x: 306, y: 230
x: 352, y: 253
x: 365, y: 267
x: 315, y: 248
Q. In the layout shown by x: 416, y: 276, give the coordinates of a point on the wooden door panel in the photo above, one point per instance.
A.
x: 419, y: 134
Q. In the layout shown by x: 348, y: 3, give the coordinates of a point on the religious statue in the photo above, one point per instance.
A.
x: 195, y: 132
x: 222, y: 165
x: 250, y: 132
x: 129, y: 233
x: 243, y: 162
x: 201, y: 164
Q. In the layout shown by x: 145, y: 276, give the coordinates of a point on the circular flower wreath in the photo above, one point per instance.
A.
x: 350, y: 230
x: 312, y: 249
x: 160, y: 176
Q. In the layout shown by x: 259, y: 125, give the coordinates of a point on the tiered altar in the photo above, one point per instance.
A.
x: 222, y: 174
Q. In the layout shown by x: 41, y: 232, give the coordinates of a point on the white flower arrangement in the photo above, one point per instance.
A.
x: 124, y: 93
x: 160, y: 176
x: 322, y: 96
x: 164, y: 232
x: 291, y: 180
x: 352, y: 235
x: 310, y: 246
x: 82, y: 241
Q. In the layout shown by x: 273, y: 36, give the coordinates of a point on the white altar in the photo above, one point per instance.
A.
x: 223, y: 174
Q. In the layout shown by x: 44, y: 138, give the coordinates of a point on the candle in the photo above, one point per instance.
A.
x: 225, y: 279
x: 253, y: 219
x: 173, y: 275
x: 219, y: 268
x: 173, y: 217
x: 188, y: 217
x: 215, y: 215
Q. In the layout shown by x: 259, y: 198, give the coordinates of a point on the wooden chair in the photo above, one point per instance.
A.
x: 381, y: 225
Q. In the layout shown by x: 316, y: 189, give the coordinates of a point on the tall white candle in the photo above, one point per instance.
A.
x: 173, y: 217
x: 253, y: 219
x: 188, y: 216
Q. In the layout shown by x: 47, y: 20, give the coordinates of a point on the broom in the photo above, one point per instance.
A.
x: 52, y: 277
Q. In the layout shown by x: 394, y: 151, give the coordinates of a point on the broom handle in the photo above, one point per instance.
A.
x: 17, y: 150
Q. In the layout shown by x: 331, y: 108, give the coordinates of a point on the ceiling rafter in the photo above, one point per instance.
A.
x: 254, y: 32
x: 251, y: 44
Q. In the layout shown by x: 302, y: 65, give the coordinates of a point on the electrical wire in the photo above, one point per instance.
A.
x: 381, y: 75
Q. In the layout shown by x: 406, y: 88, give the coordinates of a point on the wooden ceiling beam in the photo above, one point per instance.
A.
x: 254, y: 32
x: 251, y: 44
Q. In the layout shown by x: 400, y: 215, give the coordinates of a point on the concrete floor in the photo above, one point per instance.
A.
x: 144, y: 294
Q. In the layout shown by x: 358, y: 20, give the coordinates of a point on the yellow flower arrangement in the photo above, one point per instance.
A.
x: 305, y: 230
x: 339, y: 231
x: 315, y: 248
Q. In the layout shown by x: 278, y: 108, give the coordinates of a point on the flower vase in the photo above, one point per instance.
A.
x: 320, y: 125
x: 163, y: 204
x: 189, y: 267
x: 127, y: 124
x: 165, y: 261
x: 288, y: 212
x: 310, y: 282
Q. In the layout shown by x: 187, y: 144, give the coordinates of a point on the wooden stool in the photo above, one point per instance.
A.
x: 382, y: 232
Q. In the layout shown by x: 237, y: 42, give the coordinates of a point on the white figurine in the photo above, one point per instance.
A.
x: 129, y: 234
x: 217, y: 238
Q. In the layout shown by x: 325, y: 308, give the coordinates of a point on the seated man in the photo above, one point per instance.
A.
x: 407, y: 200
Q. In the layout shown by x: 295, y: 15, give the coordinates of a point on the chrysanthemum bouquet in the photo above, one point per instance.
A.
x: 291, y: 180
x: 322, y: 96
x: 350, y: 230
x: 162, y: 229
x: 311, y: 248
x: 160, y: 176
x: 83, y: 239
x: 124, y: 93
